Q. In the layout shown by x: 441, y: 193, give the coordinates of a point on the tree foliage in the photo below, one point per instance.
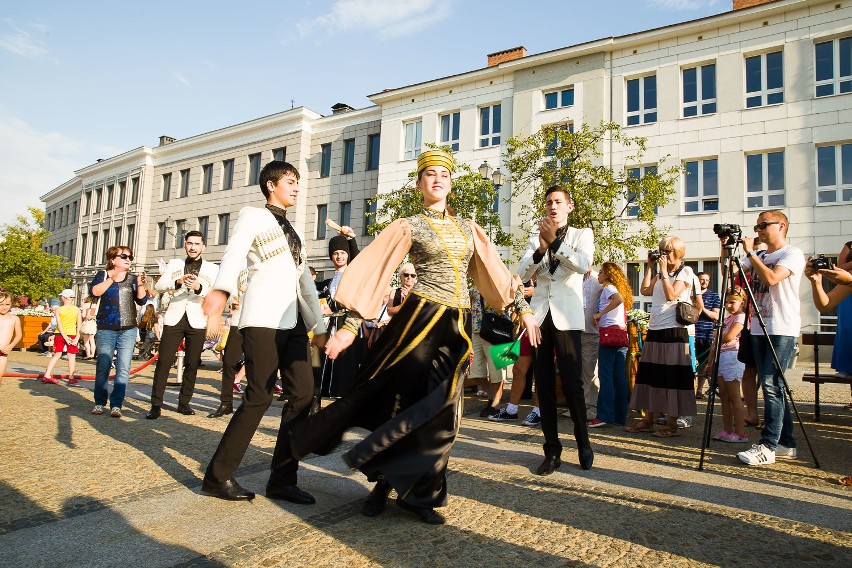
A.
x: 603, y: 196
x: 25, y: 269
x: 472, y: 197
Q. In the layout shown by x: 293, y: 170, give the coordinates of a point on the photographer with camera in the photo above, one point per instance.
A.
x: 666, y: 375
x: 777, y: 275
x: 838, y: 297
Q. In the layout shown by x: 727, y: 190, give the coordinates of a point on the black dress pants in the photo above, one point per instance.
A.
x: 232, y: 355
x: 169, y: 343
x: 267, y: 351
x: 567, y: 347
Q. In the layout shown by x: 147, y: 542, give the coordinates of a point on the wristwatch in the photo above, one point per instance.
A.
x: 750, y: 254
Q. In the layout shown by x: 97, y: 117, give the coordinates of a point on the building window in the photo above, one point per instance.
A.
x: 765, y: 180
x: 72, y: 250
x: 131, y: 236
x: 108, y: 199
x: 83, y: 239
x: 279, y: 154
x: 834, y: 174
x: 450, y: 130
x: 180, y: 231
x: 97, y: 205
x: 489, y: 126
x: 345, y: 217
x: 701, y: 186
x: 349, y: 156
x: 325, y: 160
x: 162, y: 231
x: 555, y: 144
x: 87, y: 202
x: 184, y: 183
x: 167, y: 186
x: 116, y: 236
x: 322, y: 215
x: 122, y: 186
x: 203, y: 223
x: 369, y: 215
x: 558, y: 99
x: 227, y: 174
x: 833, y: 67
x: 764, y: 79
x: 254, y: 169
x: 413, y: 139
x: 642, y: 100
x: 373, y: 141
x: 104, y: 245
x: 637, y: 173
x: 699, y: 90
x: 207, y: 178
x: 134, y: 190
x: 74, y: 210
x: 224, y: 222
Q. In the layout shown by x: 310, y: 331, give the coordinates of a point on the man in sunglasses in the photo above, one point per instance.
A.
x: 338, y: 375
x: 187, y: 280
x: 776, y: 293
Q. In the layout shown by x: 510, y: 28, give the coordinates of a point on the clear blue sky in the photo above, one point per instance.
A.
x: 86, y: 80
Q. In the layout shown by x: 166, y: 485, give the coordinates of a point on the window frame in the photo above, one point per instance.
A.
x: 700, y: 103
x: 253, y: 169
x: 165, y: 193
x: 765, y: 92
x: 490, y: 135
x: 373, y: 152
x: 204, y: 226
x: 560, y: 95
x: 321, y: 217
x: 223, y: 235
x: 837, y: 82
x: 765, y: 193
x: 840, y: 188
x: 206, y: 179
x: 349, y: 156
x: 280, y: 154
x: 644, y: 115
x: 344, y: 214
x: 228, y: 174
x: 701, y: 197
x: 643, y: 171
x: 134, y: 190
x: 325, y: 160
x: 184, y: 183
x: 412, y: 151
x: 450, y: 133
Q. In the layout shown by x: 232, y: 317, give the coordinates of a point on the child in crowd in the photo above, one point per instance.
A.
x: 68, y: 321
x: 10, y: 330
x: 731, y: 371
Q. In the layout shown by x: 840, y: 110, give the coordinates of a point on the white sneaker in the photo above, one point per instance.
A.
x: 785, y: 452
x: 757, y: 455
x: 532, y: 419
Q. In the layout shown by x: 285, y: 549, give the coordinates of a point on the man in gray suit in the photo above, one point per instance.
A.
x: 560, y: 255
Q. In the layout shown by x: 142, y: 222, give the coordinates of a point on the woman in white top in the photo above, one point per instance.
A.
x: 666, y: 378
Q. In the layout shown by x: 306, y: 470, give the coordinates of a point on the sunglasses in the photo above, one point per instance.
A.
x: 125, y: 256
x: 761, y: 226
x: 406, y: 275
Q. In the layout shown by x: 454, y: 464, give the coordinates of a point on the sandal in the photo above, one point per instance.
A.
x: 845, y: 481
x: 667, y: 432
x: 641, y: 426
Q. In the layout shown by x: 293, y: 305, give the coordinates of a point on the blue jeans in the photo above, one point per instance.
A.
x: 612, y: 372
x: 777, y: 417
x: 121, y: 342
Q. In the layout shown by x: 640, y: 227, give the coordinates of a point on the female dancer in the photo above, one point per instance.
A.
x: 408, y: 389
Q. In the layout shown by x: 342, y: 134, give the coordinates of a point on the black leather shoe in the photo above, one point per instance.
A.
x: 229, y: 490
x: 224, y: 409
x: 587, y: 457
x: 290, y: 493
x: 376, y: 501
x: 549, y: 465
x: 154, y: 413
x: 185, y: 410
x: 427, y: 514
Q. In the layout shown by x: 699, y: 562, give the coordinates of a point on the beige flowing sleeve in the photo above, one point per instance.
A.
x: 498, y: 286
x: 364, y: 282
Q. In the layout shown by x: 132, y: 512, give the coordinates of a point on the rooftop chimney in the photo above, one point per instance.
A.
x: 506, y: 55
x: 740, y: 4
x: 341, y: 107
x: 166, y: 140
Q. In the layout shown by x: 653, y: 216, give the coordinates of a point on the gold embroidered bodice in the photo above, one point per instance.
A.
x: 441, y: 248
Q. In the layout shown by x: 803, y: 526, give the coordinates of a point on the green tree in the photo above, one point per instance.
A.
x: 603, y: 196
x: 25, y: 269
x: 472, y: 197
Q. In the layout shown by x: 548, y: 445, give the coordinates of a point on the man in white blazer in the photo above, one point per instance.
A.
x: 560, y: 255
x: 279, y: 308
x: 188, y: 281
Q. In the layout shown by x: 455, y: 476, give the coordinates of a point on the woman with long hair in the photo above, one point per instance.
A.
x: 409, y: 388
x: 611, y: 319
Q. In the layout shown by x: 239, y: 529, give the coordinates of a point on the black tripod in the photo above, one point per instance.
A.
x: 730, y: 246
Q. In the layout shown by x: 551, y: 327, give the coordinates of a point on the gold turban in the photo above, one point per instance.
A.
x: 434, y: 158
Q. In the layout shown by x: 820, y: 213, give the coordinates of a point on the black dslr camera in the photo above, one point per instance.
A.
x: 726, y: 230
x: 654, y: 255
x: 820, y: 263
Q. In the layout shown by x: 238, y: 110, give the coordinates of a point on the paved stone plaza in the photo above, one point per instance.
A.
x: 84, y: 490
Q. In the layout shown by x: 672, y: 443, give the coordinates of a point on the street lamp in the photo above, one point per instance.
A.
x: 496, y: 176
